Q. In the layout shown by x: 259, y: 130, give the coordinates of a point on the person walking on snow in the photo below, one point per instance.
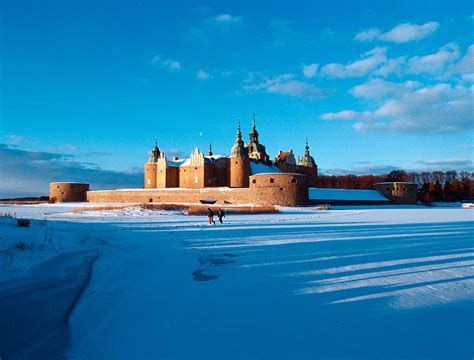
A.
x: 210, y: 216
x: 220, y: 214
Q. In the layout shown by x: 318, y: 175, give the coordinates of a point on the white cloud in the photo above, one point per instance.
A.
x: 367, y: 35
x: 400, y: 34
x: 436, y: 63
x: 202, y: 75
x: 165, y: 63
x: 466, y: 147
x: 369, y: 61
x: 391, y: 66
x: 296, y: 88
x: 283, y: 84
x: 14, y: 140
x: 459, y: 164
x: 310, y: 71
x: 360, y: 170
x: 439, y: 108
x: 444, y: 64
x: 465, y: 66
x: 227, y: 18
x: 255, y: 81
x: 409, y: 32
x: 378, y: 88
x: 341, y: 115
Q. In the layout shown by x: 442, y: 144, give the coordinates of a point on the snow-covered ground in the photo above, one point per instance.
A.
x: 353, y: 283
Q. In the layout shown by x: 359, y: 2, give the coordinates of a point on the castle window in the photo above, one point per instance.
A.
x: 151, y: 200
x: 195, y: 168
x: 281, y: 189
x: 272, y: 180
x: 72, y: 186
x: 236, y: 162
x: 293, y: 181
x: 254, y: 181
x: 58, y: 187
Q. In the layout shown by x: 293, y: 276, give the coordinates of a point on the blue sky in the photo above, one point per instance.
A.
x: 374, y: 85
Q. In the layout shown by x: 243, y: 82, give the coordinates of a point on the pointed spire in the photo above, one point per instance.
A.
x: 238, y: 150
x: 253, y: 135
x: 307, y: 159
x: 155, y: 153
x: 210, y: 149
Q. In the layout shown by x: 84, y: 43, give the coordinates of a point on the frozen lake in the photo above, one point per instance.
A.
x: 355, y: 283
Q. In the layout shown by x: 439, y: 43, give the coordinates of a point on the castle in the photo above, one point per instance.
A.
x: 234, y: 171
x: 245, y: 176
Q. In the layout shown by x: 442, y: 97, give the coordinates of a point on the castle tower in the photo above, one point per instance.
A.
x: 255, y: 150
x: 239, y: 163
x: 253, y: 135
x: 307, y: 166
x: 151, y: 168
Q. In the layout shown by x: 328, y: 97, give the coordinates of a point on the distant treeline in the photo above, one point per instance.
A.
x: 432, y: 186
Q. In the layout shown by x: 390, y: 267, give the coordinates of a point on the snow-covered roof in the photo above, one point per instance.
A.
x: 186, y: 162
x: 176, y: 163
x: 215, y: 157
x: 260, y: 168
x: 345, y: 194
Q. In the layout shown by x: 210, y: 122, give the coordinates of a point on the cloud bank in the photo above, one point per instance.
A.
x: 399, y: 34
x: 28, y: 173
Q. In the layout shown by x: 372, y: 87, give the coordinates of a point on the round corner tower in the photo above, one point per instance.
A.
x: 239, y: 163
x: 151, y: 168
x: 150, y: 175
x: 68, y: 192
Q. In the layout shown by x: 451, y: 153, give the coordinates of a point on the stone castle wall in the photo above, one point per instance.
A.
x: 172, y: 195
x: 67, y: 192
x: 265, y: 189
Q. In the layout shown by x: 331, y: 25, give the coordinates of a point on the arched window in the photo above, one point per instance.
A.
x: 272, y: 180
x: 293, y: 180
x: 254, y: 181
